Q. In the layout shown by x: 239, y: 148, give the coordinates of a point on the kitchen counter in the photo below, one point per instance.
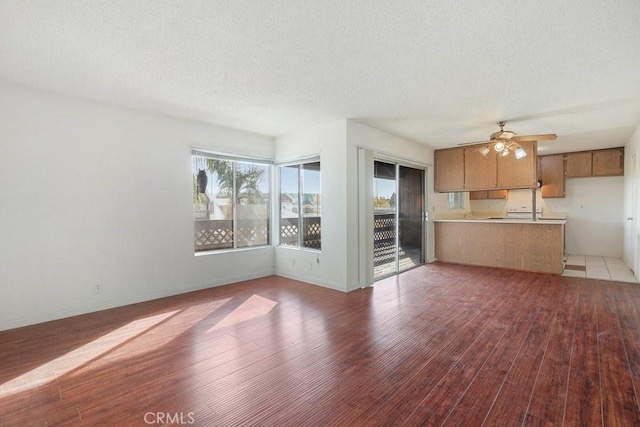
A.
x: 518, y: 244
x: 497, y: 220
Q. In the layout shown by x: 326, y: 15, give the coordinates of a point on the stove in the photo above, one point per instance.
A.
x: 523, y: 212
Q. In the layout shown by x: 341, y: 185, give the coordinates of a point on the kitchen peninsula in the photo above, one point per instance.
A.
x: 519, y: 244
x: 510, y: 239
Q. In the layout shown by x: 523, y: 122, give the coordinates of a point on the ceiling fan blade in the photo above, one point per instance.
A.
x: 543, y: 137
x: 474, y: 143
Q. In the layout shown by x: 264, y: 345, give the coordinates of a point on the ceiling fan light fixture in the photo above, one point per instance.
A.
x: 505, y: 141
x: 520, y: 153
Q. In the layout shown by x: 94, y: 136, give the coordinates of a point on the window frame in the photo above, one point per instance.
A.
x: 456, y: 200
x: 235, y: 159
x: 300, y: 198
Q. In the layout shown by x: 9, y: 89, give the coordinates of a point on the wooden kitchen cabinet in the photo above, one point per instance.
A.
x: 552, y: 175
x: 534, y: 246
x: 449, y: 170
x: 465, y: 169
x: 608, y: 162
x: 578, y: 164
x: 519, y: 173
x: 490, y: 194
x: 479, y: 171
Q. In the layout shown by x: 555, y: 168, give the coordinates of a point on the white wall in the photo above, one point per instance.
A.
x: 594, y: 208
x: 94, y: 194
x: 328, y: 266
x: 631, y: 250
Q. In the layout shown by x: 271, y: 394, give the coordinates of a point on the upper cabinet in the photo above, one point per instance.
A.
x: 490, y: 194
x: 466, y: 169
x: 608, y: 162
x: 519, y: 173
x: 551, y: 174
x: 554, y: 168
x: 449, y: 170
x: 479, y: 171
x: 579, y: 164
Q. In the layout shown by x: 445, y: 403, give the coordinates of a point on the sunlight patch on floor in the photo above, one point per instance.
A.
x: 137, y: 337
x: 158, y: 336
x: 47, y: 372
x: 254, y: 306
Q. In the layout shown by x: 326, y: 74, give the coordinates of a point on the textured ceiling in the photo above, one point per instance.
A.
x: 435, y: 72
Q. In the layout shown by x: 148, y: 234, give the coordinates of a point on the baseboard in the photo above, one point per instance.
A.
x: 313, y: 281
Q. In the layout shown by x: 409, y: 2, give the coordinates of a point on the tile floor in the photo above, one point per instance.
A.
x: 597, y: 267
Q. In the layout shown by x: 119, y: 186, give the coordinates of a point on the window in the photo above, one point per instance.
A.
x: 231, y: 202
x: 300, y: 205
x: 456, y: 200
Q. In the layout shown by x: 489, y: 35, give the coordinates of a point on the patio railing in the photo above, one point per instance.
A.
x: 218, y: 233
x: 312, y: 232
x: 384, y: 238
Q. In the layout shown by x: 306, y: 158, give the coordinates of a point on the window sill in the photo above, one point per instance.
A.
x: 231, y: 250
x: 298, y: 248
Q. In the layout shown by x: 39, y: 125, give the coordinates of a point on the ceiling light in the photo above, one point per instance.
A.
x: 503, y: 149
x: 520, y: 153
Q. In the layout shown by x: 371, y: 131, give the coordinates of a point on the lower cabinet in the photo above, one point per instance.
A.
x: 533, y: 246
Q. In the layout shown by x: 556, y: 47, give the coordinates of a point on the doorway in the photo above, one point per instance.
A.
x: 398, y: 218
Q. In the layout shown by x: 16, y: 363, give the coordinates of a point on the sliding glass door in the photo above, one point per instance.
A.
x: 411, y: 218
x: 398, y: 208
x: 385, y: 249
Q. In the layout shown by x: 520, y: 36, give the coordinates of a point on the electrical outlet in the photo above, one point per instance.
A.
x: 97, y: 288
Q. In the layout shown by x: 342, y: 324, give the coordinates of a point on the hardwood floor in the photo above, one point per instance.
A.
x: 438, y: 345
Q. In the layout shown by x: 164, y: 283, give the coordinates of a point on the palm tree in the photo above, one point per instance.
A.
x: 248, y: 181
x: 199, y: 199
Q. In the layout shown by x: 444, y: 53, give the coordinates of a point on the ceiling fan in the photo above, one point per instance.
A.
x: 505, y: 140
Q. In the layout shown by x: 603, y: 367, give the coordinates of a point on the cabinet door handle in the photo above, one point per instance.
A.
x: 629, y: 218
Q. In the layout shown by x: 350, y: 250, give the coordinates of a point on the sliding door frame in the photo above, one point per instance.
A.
x: 366, y: 160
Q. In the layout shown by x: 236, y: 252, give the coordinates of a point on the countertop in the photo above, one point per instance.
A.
x: 541, y: 220
x: 498, y: 218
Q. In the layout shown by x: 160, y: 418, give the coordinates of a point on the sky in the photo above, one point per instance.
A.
x: 384, y: 187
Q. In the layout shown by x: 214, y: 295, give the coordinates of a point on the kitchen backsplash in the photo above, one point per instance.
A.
x: 515, y: 198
